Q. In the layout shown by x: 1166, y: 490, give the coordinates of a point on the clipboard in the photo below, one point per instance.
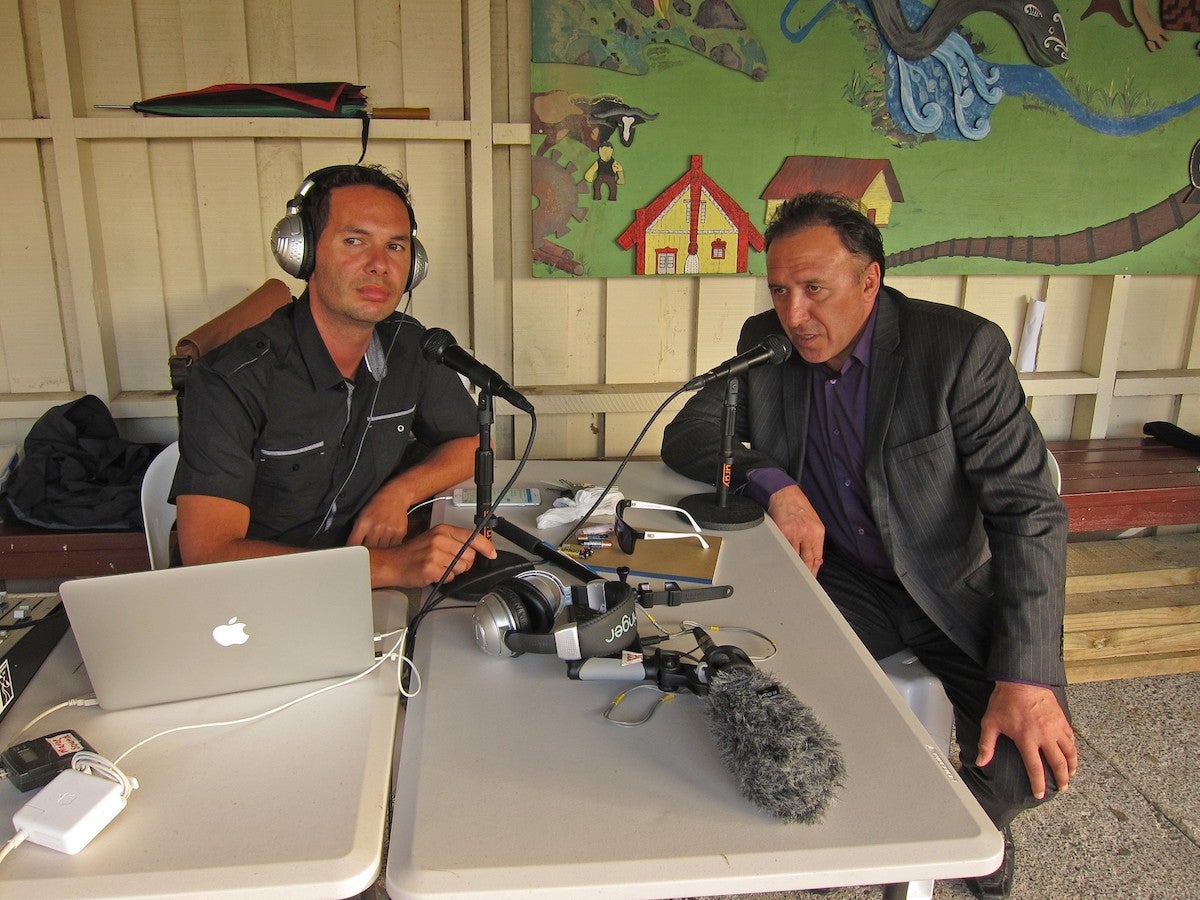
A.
x: 675, y: 560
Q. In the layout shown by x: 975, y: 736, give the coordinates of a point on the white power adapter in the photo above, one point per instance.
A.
x: 70, y: 811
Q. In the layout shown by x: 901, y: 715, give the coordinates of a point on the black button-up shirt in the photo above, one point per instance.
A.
x: 270, y: 422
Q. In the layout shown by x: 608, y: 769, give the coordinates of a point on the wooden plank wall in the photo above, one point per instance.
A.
x: 124, y: 232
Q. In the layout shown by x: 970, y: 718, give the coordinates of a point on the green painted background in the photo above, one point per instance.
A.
x: 1037, y: 173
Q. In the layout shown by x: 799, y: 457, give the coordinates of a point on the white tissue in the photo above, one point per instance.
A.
x: 1030, y: 335
x: 566, y: 510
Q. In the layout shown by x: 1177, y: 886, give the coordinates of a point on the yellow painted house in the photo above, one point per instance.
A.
x: 872, y: 182
x: 691, y: 228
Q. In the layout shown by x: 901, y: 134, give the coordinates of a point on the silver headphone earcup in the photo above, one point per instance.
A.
x: 288, y: 244
x: 492, y: 620
x: 420, y: 264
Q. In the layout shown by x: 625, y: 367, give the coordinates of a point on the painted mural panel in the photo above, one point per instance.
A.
x: 982, y: 137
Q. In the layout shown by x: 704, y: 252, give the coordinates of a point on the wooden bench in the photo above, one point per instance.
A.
x: 1133, y: 605
x: 37, y: 554
x: 1118, y: 483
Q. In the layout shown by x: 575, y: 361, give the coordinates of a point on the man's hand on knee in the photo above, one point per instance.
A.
x: 1031, y: 717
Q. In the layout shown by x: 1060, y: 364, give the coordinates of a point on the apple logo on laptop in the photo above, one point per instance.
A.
x: 232, y: 632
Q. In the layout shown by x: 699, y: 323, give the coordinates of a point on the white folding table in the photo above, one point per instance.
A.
x: 293, y: 805
x: 511, y: 783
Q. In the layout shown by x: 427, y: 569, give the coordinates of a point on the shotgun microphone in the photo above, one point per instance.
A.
x: 774, y: 349
x: 439, y: 346
x: 783, y: 758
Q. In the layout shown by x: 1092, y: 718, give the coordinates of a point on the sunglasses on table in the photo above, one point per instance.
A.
x: 627, y: 536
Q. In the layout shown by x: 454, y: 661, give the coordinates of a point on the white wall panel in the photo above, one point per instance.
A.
x: 32, y: 352
x: 15, y: 92
x: 159, y: 31
x: 1004, y: 301
x: 125, y: 201
x: 1157, y: 331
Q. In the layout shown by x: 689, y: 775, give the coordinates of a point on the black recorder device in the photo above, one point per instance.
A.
x: 29, y: 630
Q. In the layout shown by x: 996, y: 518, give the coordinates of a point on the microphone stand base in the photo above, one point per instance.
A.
x: 737, y: 513
x: 485, y: 574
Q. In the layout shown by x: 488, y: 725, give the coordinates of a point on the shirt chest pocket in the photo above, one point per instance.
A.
x: 388, y: 436
x: 291, y: 480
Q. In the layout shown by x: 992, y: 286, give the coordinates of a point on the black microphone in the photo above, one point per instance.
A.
x: 774, y: 349
x: 783, y: 758
x: 439, y: 346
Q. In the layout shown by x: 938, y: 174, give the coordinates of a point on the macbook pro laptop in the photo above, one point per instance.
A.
x: 200, y: 631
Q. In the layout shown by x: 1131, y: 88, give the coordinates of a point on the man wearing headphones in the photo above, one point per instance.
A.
x: 294, y: 432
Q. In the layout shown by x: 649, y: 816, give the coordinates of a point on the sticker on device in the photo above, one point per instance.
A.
x: 64, y: 744
x: 7, y: 694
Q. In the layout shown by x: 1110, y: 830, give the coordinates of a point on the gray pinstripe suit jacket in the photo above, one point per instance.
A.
x: 957, y: 475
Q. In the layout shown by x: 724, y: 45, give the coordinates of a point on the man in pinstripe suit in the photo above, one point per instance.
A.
x: 895, y: 453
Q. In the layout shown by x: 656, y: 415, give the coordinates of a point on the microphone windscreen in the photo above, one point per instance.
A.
x: 779, y: 347
x: 784, y: 760
x: 435, y: 344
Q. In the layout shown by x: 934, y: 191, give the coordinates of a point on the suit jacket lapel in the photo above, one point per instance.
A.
x: 886, y: 363
x: 797, y: 395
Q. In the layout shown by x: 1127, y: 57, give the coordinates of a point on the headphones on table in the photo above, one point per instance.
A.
x: 518, y: 616
x: 294, y: 240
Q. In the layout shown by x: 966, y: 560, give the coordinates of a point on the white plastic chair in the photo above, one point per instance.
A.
x: 1055, y: 471
x: 157, y: 514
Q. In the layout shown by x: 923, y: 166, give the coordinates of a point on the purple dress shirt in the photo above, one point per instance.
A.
x: 834, y: 474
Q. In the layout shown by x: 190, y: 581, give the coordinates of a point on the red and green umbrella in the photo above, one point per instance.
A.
x: 308, y: 98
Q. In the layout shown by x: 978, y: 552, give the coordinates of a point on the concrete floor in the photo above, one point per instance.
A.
x: 1130, y: 825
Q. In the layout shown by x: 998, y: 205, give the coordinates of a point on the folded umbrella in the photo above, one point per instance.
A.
x: 310, y: 98
x: 331, y: 99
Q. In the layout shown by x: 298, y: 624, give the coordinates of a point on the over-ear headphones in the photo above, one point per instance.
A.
x: 294, y: 240
x: 518, y: 616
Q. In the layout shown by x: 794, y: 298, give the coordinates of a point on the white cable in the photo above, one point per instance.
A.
x: 413, y: 509
x: 247, y: 719
x: 401, y: 662
x: 688, y: 625
x: 77, y: 701
x: 685, y: 628
x: 94, y: 764
x: 17, y: 840
x: 389, y: 655
x: 407, y: 693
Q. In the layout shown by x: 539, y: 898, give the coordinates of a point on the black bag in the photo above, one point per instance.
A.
x: 1173, y: 435
x: 77, y: 473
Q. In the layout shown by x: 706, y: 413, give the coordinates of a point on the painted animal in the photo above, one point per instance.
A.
x: 590, y: 120
x: 1038, y: 24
